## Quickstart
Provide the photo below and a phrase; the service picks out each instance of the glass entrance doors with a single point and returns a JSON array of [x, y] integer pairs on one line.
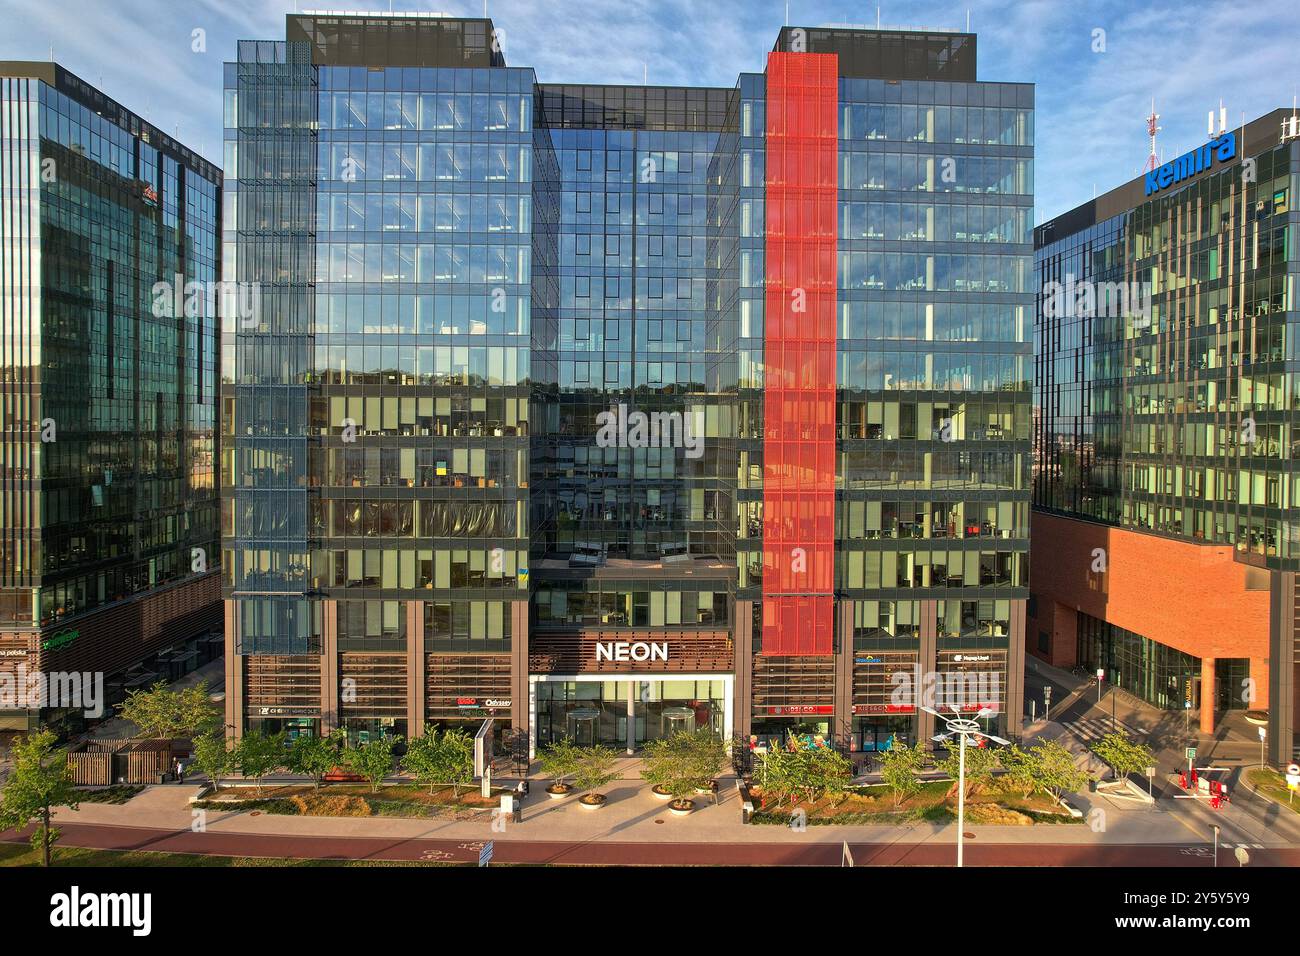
[[627, 712]]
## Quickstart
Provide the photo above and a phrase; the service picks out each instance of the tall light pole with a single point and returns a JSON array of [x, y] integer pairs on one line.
[[962, 727]]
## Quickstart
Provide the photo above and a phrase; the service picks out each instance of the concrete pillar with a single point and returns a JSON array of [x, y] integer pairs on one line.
[[842, 725], [926, 663], [329, 668], [743, 668], [1015, 689], [234, 674], [519, 688], [1208, 695], [415, 678]]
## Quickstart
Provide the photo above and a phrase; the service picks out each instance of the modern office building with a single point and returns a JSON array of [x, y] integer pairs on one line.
[[109, 540], [615, 410], [1165, 490]]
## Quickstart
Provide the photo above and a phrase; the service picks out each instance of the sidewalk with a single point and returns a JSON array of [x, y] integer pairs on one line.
[[633, 814]]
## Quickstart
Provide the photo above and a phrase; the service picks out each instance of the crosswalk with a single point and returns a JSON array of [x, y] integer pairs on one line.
[[1089, 729]]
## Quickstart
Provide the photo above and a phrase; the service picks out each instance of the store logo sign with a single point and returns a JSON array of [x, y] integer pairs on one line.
[[631, 651], [1222, 149]]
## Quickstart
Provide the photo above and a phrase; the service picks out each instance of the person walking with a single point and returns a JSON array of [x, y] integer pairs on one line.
[[518, 802], [713, 788]]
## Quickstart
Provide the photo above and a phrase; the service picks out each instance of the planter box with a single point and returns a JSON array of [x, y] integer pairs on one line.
[[681, 811]]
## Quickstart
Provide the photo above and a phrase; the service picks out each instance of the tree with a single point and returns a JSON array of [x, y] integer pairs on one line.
[[980, 763], [313, 756], [1122, 755], [258, 754], [1021, 766], [669, 764], [215, 756], [373, 759], [899, 766], [595, 770], [559, 761], [1056, 771], [708, 754], [160, 712], [448, 758], [40, 780]]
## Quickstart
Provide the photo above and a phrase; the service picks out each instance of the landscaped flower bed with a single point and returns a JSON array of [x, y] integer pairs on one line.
[[874, 806], [354, 800]]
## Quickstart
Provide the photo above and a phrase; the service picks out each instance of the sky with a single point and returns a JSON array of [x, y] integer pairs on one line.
[[1097, 64]]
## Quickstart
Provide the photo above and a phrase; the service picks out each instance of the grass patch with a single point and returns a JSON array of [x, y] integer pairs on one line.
[[116, 795], [14, 854], [1273, 785], [355, 800]]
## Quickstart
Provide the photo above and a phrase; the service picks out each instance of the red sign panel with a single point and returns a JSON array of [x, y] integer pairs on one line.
[[795, 710], [799, 354]]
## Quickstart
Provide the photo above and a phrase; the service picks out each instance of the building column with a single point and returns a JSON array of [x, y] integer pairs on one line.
[[1283, 672], [1015, 702], [743, 668], [415, 660], [519, 688], [234, 664], [1208, 695], [842, 727], [926, 663], [329, 668]]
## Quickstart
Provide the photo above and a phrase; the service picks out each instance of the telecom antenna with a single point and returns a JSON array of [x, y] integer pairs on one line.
[[1152, 128]]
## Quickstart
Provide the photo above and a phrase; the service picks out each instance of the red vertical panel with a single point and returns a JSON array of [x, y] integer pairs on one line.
[[799, 354]]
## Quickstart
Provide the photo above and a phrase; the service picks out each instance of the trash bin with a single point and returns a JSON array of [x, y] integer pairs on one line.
[[1092, 786]]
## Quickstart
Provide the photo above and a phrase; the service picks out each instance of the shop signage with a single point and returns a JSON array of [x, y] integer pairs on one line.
[[1221, 149], [972, 658], [796, 710], [883, 709], [62, 639], [489, 702], [13, 652], [283, 712], [631, 651]]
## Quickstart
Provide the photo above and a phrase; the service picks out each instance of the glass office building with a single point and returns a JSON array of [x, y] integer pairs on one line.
[[507, 440], [1165, 399], [110, 233]]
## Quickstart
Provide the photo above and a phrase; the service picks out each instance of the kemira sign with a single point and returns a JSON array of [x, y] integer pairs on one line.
[[631, 651]]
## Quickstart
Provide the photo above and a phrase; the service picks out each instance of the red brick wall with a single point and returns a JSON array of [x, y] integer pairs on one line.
[[1186, 596]]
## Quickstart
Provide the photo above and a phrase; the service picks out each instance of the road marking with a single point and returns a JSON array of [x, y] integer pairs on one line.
[[1094, 728]]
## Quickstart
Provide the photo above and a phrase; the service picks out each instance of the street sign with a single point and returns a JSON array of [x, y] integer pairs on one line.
[[485, 854], [1242, 856], [1262, 733], [1100, 673], [1191, 753], [1293, 775]]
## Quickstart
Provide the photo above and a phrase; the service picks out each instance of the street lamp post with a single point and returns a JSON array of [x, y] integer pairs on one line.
[[962, 727], [1215, 828]]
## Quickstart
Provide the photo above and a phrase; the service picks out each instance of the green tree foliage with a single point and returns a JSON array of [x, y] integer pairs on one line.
[[980, 764], [899, 766], [259, 754], [1021, 768], [447, 758], [595, 769], [41, 779], [798, 771], [312, 756], [1123, 755], [560, 761], [373, 759], [160, 712], [1056, 771], [215, 756]]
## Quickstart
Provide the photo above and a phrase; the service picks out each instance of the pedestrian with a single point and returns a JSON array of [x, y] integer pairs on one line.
[[713, 788], [524, 784], [177, 771], [518, 815]]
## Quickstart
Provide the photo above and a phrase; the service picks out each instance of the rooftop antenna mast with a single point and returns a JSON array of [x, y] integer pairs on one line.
[[1223, 120], [1153, 127]]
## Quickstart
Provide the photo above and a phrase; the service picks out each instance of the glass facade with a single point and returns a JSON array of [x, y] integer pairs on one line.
[[109, 350], [509, 397], [1167, 405]]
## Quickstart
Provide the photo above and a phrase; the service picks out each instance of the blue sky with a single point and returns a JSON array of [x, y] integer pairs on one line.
[[1091, 104]]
